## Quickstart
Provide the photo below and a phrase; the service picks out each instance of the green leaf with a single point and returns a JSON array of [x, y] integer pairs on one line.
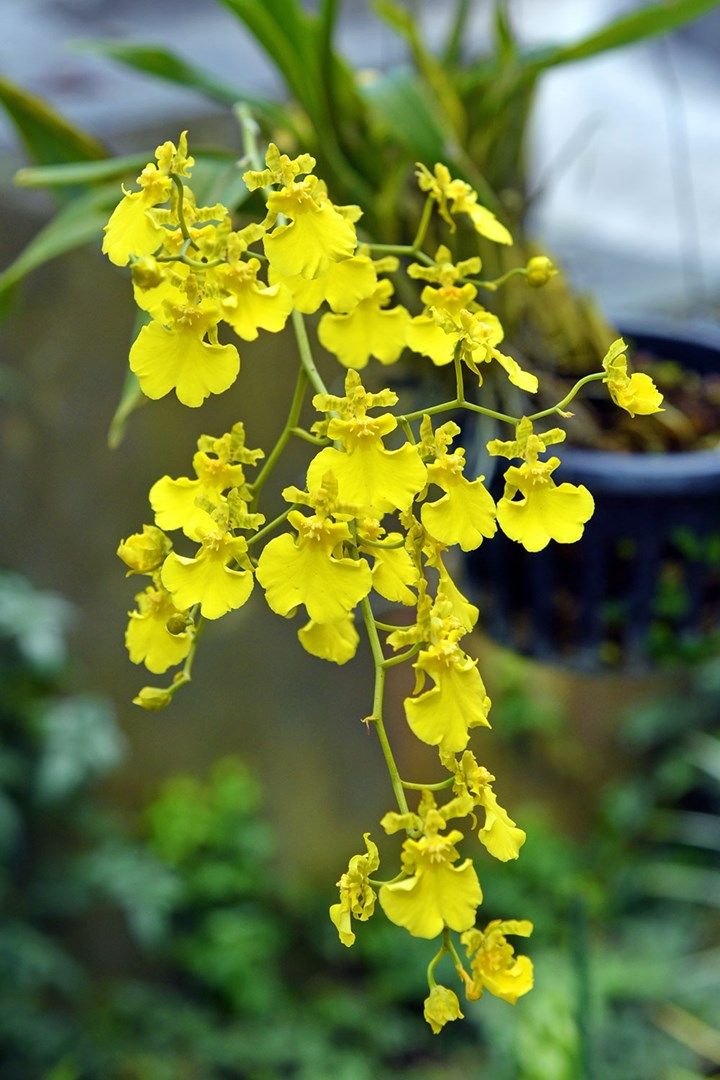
[[281, 29], [506, 42], [637, 26], [433, 72], [218, 178], [78, 223], [131, 399], [81, 172], [403, 107], [47, 136], [164, 64]]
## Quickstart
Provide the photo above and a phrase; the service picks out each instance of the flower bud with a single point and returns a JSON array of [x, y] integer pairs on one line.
[[153, 698], [441, 1006], [144, 552], [539, 270], [178, 624], [147, 273]]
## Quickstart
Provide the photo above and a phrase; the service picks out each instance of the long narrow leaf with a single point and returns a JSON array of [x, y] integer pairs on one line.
[[402, 107], [637, 26], [164, 64], [284, 41], [80, 172], [429, 67], [80, 222], [48, 137]]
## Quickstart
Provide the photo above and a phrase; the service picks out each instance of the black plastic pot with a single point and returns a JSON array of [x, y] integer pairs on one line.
[[643, 584]]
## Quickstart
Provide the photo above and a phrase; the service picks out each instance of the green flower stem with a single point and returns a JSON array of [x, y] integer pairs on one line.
[[453, 406], [181, 209], [408, 431], [402, 249], [423, 225], [472, 407], [568, 397], [449, 945], [194, 263], [393, 661], [387, 627], [494, 285], [296, 405], [306, 357], [184, 676], [306, 436], [434, 963], [377, 713], [459, 380], [441, 785], [383, 547], [270, 526]]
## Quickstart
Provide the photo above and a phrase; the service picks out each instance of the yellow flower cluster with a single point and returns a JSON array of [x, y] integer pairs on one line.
[[387, 497]]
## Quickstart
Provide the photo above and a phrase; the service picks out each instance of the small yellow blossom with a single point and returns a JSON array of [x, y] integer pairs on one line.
[[370, 329], [148, 639], [539, 271], [465, 514], [495, 967], [343, 285], [444, 715], [635, 393], [368, 475], [306, 571], [394, 573], [175, 501], [499, 833], [336, 641], [144, 552], [440, 1007], [207, 579], [248, 305], [177, 357], [545, 511], [357, 897], [457, 197], [317, 236], [132, 229], [434, 893]]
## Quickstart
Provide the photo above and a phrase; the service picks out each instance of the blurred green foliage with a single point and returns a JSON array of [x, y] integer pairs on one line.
[[171, 950]]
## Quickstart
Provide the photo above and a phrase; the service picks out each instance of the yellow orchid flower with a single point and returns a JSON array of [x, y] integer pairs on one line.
[[457, 197], [343, 285], [357, 898], [435, 893], [465, 514], [367, 474], [495, 967], [336, 641], [636, 393], [440, 1007], [207, 579], [499, 834], [132, 228], [177, 357], [370, 329], [305, 571], [247, 305], [148, 639]]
